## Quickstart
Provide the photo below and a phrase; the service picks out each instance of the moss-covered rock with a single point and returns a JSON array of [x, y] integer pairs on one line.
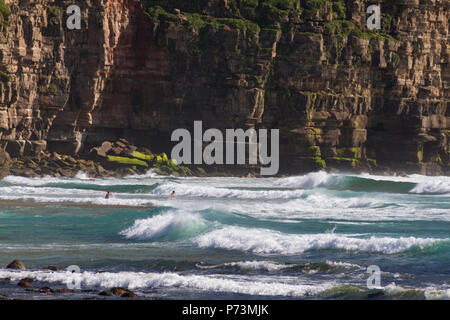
[[127, 161]]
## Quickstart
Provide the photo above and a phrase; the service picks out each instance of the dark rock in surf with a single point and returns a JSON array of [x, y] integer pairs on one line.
[[46, 290], [51, 268], [16, 264], [375, 294], [107, 293], [64, 291], [117, 291], [25, 283], [124, 293], [129, 294]]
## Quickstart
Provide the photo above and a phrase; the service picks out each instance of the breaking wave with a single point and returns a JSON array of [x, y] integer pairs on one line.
[[261, 241], [251, 285], [214, 192], [172, 225], [139, 280]]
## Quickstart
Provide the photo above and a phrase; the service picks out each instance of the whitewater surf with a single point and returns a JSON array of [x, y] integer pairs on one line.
[[302, 237]]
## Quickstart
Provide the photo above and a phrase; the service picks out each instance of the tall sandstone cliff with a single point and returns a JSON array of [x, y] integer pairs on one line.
[[342, 96]]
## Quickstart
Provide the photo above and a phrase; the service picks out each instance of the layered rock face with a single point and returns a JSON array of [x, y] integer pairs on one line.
[[342, 96]]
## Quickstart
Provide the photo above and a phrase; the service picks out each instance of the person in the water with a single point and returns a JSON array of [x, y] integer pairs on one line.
[[108, 195], [173, 194]]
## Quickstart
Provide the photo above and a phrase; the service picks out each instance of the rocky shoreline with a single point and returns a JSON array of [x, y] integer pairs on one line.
[[120, 158], [32, 286], [117, 159]]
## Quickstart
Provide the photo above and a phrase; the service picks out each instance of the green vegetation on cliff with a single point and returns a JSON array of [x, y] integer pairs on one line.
[[197, 21], [256, 15], [261, 12], [4, 14]]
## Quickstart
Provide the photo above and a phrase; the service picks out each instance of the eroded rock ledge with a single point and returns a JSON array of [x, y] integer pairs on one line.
[[343, 97]]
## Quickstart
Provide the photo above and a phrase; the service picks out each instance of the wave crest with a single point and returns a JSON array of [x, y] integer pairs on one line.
[[261, 241], [171, 225]]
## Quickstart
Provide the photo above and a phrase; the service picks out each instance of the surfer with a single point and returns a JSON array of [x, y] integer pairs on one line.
[[173, 194], [108, 195]]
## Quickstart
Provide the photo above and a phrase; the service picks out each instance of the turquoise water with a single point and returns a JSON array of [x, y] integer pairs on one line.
[[303, 237]]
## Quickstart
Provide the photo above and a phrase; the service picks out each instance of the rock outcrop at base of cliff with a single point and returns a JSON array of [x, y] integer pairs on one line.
[[342, 96], [110, 159]]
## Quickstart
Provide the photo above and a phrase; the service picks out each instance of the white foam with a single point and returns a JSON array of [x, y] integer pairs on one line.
[[346, 265], [310, 180], [81, 175], [16, 180], [149, 174], [262, 241], [433, 293], [430, 293], [251, 265], [206, 191], [270, 286], [322, 205], [272, 266], [425, 184], [17, 190], [252, 285], [149, 178], [174, 222], [437, 186], [95, 200]]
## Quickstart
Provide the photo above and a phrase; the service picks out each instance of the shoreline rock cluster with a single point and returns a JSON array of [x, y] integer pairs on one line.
[[120, 158], [29, 286], [110, 159]]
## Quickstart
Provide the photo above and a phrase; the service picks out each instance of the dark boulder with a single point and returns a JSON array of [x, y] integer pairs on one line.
[[51, 268], [16, 264], [25, 283], [124, 293], [107, 293]]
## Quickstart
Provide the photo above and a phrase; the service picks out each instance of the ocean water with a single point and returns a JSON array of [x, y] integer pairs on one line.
[[300, 237]]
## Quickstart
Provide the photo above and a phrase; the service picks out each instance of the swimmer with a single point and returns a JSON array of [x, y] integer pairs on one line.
[[108, 195], [173, 194]]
